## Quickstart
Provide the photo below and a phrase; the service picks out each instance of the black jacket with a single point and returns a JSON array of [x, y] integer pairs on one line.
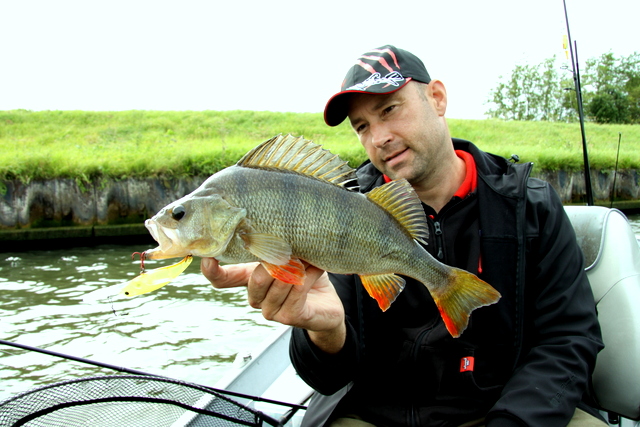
[[526, 360]]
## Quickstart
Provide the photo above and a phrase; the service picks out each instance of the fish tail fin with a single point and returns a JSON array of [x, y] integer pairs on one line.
[[464, 293]]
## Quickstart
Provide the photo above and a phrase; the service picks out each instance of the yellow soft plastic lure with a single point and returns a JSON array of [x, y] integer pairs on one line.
[[151, 280]]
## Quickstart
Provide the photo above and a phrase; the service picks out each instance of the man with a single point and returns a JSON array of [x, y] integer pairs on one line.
[[525, 361]]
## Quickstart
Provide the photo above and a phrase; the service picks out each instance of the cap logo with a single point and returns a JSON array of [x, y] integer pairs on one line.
[[394, 78]]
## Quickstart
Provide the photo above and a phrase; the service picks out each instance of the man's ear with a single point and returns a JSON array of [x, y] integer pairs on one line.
[[439, 95]]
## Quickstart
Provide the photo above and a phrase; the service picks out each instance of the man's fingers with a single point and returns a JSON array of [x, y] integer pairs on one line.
[[210, 268], [313, 274], [279, 301], [259, 285], [268, 294], [228, 276]]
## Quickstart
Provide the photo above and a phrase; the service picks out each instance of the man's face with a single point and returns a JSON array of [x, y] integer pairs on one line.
[[404, 133]]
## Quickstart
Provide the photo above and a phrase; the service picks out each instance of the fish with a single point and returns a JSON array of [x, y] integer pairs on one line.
[[289, 200]]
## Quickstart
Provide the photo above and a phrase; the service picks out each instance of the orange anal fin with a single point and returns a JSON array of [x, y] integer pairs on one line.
[[464, 293], [384, 288], [293, 272]]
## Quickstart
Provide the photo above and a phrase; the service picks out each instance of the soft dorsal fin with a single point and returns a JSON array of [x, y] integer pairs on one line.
[[401, 201], [296, 154]]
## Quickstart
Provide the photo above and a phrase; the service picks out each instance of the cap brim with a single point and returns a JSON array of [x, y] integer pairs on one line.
[[337, 107]]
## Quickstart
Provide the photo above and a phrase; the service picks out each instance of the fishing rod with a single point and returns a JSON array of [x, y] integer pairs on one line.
[[136, 372], [615, 171], [76, 359], [576, 79]]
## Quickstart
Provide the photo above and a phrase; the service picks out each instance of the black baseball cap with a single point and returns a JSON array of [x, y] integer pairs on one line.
[[377, 71]]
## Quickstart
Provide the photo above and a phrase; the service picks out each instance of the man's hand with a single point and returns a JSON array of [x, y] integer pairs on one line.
[[229, 276], [314, 306]]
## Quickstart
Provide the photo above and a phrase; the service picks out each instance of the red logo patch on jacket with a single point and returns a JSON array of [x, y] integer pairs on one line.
[[466, 364]]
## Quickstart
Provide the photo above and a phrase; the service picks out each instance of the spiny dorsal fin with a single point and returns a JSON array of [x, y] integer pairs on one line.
[[401, 201], [296, 154]]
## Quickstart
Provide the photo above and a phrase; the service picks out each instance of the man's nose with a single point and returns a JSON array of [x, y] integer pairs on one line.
[[380, 135]]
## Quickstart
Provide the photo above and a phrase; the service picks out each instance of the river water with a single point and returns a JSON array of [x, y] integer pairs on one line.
[[186, 330]]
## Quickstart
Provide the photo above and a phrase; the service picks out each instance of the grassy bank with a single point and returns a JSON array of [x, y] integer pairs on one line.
[[88, 145]]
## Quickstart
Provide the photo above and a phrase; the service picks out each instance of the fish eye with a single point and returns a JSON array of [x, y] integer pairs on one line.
[[178, 212]]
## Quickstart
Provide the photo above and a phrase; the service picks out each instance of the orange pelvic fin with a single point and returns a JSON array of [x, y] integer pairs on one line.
[[464, 293], [384, 288], [293, 272]]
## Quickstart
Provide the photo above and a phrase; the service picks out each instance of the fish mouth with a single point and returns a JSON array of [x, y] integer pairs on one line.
[[166, 247]]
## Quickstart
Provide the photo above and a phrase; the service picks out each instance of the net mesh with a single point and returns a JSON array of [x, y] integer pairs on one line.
[[126, 400]]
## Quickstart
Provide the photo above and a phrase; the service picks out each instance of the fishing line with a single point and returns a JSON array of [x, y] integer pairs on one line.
[[114, 309]]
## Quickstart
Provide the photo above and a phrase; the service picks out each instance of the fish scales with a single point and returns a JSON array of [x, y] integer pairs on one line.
[[286, 201], [343, 223]]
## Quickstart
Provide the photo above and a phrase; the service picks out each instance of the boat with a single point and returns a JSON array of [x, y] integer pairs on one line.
[[262, 388], [267, 372]]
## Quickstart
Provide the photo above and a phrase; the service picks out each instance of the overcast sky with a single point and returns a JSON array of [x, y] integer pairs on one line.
[[279, 55]]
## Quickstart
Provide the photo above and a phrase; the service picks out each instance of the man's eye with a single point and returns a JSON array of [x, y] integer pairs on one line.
[[361, 128], [389, 109]]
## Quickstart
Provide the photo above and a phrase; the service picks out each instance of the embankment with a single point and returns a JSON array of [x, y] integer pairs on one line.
[[64, 211]]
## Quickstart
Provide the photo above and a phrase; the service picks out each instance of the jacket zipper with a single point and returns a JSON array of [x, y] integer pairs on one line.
[[414, 419], [439, 241]]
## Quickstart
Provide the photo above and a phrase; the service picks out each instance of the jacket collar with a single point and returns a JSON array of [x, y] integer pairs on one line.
[[493, 170]]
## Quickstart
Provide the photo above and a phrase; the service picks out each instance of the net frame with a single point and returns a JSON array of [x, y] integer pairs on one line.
[[137, 399]]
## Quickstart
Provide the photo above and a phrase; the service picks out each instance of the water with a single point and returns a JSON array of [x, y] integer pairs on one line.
[[635, 224], [186, 330]]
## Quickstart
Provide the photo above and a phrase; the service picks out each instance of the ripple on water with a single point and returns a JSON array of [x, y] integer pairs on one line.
[[187, 330], [93, 267]]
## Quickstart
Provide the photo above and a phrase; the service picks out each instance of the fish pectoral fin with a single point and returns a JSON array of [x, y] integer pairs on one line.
[[292, 272], [464, 293], [152, 280], [384, 288], [267, 247]]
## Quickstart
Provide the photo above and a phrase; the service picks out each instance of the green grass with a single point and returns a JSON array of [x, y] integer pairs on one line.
[[554, 146], [85, 145]]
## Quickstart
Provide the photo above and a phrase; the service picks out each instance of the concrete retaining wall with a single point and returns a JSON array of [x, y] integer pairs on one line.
[[571, 186], [65, 203]]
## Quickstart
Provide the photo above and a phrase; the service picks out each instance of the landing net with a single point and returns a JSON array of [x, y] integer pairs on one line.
[[127, 400]]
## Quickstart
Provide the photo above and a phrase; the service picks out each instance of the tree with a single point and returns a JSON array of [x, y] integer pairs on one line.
[[610, 92], [532, 93], [608, 106], [613, 89]]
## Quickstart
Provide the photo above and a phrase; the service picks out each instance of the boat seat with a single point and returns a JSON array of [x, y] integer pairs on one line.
[[612, 263]]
